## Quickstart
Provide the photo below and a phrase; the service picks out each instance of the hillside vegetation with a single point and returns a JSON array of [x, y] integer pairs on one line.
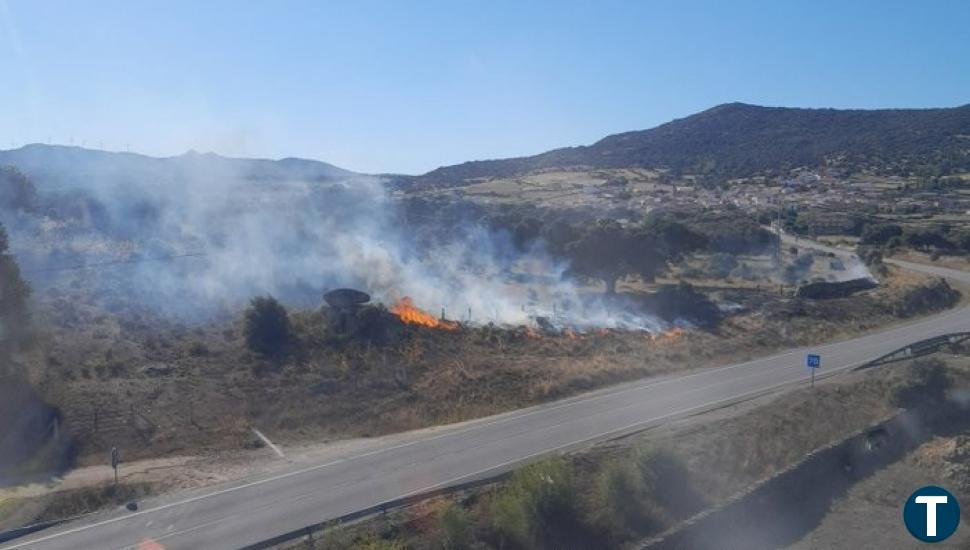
[[738, 140]]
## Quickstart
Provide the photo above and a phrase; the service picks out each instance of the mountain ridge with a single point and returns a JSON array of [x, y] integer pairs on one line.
[[64, 166], [727, 141], [734, 140]]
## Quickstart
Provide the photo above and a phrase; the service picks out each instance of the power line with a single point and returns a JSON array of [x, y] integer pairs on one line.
[[116, 262]]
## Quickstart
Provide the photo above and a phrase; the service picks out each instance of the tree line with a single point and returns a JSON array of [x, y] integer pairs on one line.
[[929, 238]]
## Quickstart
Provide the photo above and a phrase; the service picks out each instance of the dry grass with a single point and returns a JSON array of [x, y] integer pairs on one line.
[[579, 188], [952, 262], [161, 388], [76, 502]]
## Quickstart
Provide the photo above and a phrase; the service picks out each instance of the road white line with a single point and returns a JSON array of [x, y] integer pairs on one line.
[[606, 435], [613, 433]]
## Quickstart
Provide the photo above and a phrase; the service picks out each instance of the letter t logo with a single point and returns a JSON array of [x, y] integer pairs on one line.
[[931, 502]]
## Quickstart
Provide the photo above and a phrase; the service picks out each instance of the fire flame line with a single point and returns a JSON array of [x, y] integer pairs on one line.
[[407, 312]]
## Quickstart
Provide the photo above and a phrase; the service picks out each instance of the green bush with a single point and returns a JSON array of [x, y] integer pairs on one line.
[[17, 192], [374, 542], [927, 386], [621, 502], [456, 527], [511, 520], [931, 296], [534, 501], [881, 233], [14, 310], [267, 326]]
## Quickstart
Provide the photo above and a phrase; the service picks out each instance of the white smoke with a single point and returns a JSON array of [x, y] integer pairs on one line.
[[296, 239]]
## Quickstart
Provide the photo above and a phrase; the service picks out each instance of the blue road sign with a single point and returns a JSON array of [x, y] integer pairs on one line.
[[813, 361]]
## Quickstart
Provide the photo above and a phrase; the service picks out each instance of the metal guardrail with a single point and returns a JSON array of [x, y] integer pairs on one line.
[[308, 531], [918, 349], [6, 536]]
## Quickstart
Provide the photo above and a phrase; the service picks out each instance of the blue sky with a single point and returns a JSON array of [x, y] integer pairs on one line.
[[402, 86]]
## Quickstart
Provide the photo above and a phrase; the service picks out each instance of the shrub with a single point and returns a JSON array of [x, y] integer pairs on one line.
[[17, 192], [456, 527], [799, 268], [640, 493], [668, 478], [927, 238], [510, 519], [878, 234], [721, 264], [14, 312], [932, 296], [374, 542], [621, 504], [267, 326], [927, 386], [684, 302], [536, 501]]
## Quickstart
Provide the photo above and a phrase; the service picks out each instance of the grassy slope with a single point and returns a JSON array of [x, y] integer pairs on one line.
[[199, 389]]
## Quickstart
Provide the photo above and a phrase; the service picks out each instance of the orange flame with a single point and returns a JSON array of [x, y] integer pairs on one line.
[[410, 314], [668, 336], [532, 333], [570, 333]]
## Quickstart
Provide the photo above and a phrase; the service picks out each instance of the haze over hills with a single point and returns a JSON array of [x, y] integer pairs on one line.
[[68, 167], [737, 140], [733, 140]]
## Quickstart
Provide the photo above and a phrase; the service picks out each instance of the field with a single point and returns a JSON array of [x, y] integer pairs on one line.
[[568, 189], [156, 389]]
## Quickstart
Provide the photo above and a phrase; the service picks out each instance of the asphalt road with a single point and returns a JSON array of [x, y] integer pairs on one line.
[[242, 513]]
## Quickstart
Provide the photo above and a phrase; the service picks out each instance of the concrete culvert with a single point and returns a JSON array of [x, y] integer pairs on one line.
[[876, 439]]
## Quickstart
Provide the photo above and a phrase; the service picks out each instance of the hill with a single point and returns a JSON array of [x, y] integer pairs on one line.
[[738, 140], [63, 167]]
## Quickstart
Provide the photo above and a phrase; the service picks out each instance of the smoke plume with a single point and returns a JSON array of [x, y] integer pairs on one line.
[[202, 239]]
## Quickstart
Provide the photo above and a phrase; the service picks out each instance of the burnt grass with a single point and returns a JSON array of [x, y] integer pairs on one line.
[[153, 387]]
